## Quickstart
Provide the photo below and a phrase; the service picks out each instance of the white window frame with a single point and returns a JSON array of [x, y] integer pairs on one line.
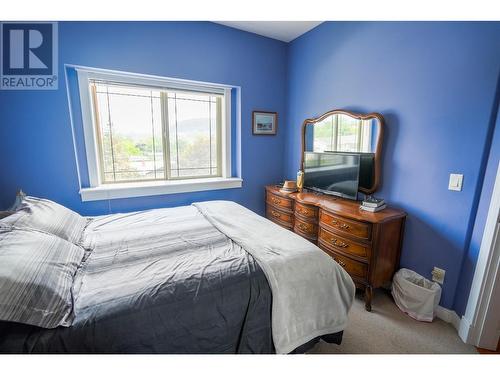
[[365, 138], [100, 191]]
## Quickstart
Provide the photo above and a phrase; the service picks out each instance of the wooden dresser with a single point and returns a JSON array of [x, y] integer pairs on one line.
[[367, 245]]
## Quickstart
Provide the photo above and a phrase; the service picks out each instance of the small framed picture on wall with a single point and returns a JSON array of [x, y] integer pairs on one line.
[[264, 123]]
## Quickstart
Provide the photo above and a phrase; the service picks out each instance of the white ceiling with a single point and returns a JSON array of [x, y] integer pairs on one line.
[[285, 31]]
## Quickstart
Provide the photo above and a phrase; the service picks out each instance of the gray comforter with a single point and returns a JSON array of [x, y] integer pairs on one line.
[[159, 281]]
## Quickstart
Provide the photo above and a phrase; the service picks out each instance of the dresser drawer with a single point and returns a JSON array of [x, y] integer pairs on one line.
[[309, 212], [354, 228], [275, 215], [357, 270], [342, 244], [278, 201], [307, 229]]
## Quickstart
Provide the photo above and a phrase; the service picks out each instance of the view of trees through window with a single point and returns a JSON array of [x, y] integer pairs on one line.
[[151, 134], [342, 133]]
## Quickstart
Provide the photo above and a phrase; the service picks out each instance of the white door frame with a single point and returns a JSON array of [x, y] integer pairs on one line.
[[475, 327]]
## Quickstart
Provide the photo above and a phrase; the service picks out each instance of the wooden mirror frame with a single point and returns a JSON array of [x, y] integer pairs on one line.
[[358, 116]]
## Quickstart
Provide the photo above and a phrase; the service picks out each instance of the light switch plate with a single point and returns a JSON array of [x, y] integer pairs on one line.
[[455, 182]]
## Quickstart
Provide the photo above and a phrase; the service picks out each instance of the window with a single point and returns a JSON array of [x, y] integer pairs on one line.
[[144, 132], [152, 134]]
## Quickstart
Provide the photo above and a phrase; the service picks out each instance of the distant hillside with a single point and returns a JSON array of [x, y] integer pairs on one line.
[[198, 125], [193, 125]]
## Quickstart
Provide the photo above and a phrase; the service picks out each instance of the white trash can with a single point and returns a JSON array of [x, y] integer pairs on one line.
[[415, 295]]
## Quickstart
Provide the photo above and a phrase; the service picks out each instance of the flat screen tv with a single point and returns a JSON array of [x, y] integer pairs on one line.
[[332, 173], [366, 168]]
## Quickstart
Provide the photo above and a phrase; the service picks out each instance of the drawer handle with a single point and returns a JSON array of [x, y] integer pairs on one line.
[[276, 200], [343, 226], [302, 227], [339, 243], [342, 264], [275, 214], [302, 211]]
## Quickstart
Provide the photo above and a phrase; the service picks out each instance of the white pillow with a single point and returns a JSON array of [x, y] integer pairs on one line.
[[48, 216], [36, 277]]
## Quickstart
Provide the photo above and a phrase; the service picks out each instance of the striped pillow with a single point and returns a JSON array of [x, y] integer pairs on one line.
[[47, 216], [36, 277], [5, 214]]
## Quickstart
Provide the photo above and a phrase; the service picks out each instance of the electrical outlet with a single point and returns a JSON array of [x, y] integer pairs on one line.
[[438, 275]]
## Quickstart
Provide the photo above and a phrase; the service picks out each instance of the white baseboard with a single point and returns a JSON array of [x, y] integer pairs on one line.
[[449, 316], [462, 325], [465, 330]]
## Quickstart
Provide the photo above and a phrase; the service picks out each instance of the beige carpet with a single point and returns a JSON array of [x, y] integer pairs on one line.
[[386, 330]]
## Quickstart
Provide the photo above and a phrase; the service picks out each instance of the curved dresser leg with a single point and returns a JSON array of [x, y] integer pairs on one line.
[[368, 298]]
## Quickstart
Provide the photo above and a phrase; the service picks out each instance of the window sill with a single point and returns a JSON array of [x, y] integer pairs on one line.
[[129, 190]]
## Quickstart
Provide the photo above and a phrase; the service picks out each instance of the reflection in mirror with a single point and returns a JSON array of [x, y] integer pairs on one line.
[[343, 133]]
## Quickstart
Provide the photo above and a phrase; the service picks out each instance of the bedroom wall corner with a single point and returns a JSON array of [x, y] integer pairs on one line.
[[485, 191]]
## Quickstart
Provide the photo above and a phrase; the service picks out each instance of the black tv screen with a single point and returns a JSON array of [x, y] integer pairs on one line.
[[332, 173], [366, 170]]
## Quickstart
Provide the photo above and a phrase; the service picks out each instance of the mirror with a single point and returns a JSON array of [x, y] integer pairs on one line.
[[342, 131]]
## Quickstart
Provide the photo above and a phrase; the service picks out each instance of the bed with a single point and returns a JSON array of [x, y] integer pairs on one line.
[[189, 280]]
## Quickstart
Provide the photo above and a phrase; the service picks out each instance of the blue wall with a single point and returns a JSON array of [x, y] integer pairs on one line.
[[435, 84], [37, 149]]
